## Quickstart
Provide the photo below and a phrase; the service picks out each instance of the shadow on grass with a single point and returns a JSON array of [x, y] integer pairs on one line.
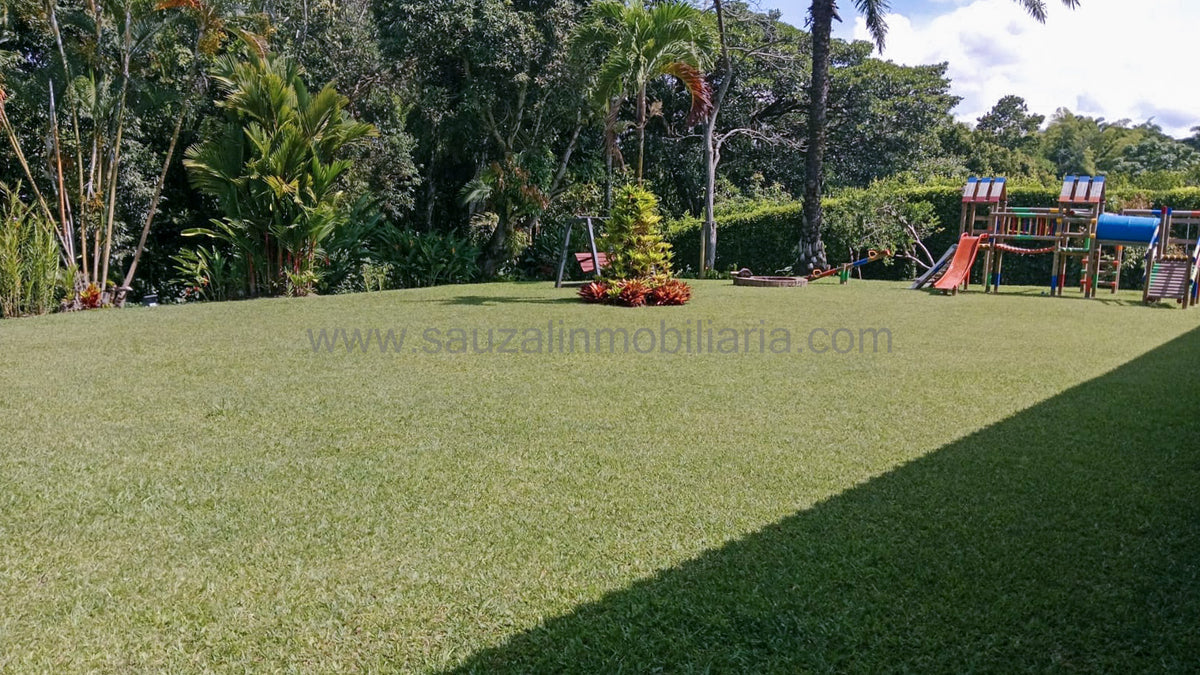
[[482, 300], [1066, 537]]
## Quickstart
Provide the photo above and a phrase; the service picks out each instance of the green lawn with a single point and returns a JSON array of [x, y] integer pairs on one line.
[[1013, 488]]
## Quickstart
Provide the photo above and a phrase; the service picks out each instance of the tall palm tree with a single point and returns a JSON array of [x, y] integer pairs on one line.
[[641, 44], [275, 168], [822, 13]]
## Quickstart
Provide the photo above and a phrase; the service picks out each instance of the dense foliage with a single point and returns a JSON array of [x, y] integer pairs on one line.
[[495, 123], [274, 168], [29, 263], [633, 238]]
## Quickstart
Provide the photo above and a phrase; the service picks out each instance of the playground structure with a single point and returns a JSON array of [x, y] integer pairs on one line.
[[1171, 256], [843, 271], [1077, 230]]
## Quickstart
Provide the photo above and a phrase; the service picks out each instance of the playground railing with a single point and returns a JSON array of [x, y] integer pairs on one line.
[[1151, 255], [1193, 276]]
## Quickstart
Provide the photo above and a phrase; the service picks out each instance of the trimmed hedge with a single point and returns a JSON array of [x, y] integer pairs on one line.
[[764, 239]]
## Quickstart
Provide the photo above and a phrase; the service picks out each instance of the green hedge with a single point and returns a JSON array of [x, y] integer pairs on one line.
[[764, 239]]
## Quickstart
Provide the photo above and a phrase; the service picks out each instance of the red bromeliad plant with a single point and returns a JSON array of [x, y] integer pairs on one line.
[[594, 292], [633, 292], [657, 291], [670, 292]]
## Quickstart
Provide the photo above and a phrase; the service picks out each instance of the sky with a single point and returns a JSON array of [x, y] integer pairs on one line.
[[1114, 59]]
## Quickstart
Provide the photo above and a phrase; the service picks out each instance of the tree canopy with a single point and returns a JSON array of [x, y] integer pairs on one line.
[[495, 123]]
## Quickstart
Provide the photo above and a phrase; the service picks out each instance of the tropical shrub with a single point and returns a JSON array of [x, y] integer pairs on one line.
[[376, 277], [29, 257], [350, 248], [509, 194], [633, 237], [425, 259], [275, 167], [207, 274], [639, 258], [90, 297]]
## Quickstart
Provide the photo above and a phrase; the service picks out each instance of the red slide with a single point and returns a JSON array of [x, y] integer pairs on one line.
[[960, 267]]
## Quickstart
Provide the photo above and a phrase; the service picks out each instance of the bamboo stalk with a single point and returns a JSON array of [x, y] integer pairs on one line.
[[114, 172], [66, 238], [96, 241], [16, 146], [162, 176], [67, 80]]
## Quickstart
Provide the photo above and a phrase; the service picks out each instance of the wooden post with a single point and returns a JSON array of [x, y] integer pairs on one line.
[[989, 254], [592, 241], [1120, 262], [562, 262]]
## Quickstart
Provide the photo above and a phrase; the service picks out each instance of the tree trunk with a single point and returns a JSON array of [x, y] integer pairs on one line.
[[153, 210], [708, 236], [641, 125], [430, 189], [493, 252], [66, 235], [608, 178], [115, 171], [812, 250], [712, 154]]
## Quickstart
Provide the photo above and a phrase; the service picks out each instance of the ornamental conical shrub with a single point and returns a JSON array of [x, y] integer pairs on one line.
[[633, 239]]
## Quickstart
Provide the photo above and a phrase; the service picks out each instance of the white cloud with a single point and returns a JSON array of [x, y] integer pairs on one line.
[[1109, 58]]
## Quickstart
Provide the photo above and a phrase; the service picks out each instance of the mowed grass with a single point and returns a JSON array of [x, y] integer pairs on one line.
[[1012, 487]]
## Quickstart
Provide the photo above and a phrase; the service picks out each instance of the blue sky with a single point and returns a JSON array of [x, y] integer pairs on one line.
[[1102, 59]]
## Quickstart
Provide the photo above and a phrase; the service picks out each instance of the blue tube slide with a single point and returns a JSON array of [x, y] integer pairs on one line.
[[1126, 229]]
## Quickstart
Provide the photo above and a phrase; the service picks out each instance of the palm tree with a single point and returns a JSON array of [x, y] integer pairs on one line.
[[209, 24], [822, 14], [639, 45], [275, 168]]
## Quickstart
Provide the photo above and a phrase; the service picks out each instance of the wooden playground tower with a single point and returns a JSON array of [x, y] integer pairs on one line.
[[1068, 231], [1077, 229]]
